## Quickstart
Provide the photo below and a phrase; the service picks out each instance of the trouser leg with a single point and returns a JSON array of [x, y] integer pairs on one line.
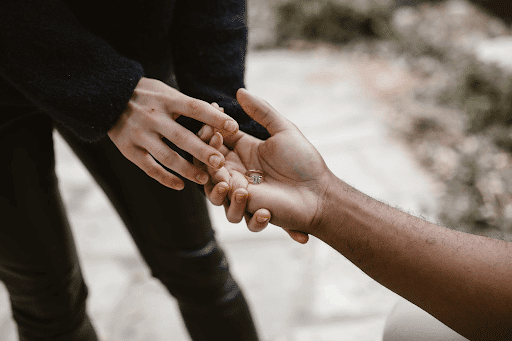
[[38, 260], [173, 234]]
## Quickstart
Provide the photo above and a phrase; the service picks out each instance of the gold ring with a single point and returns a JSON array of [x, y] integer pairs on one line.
[[255, 176]]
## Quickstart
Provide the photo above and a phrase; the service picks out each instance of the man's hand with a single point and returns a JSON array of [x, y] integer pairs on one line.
[[150, 116], [296, 175]]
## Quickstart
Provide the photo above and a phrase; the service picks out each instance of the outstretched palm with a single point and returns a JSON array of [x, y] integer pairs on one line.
[[295, 172]]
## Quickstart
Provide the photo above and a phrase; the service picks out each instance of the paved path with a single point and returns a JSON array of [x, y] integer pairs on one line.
[[298, 293]]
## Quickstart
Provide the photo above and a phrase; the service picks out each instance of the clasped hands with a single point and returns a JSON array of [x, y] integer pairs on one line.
[[296, 177], [293, 191]]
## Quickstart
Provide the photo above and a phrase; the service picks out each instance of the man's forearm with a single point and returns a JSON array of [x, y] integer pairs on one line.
[[461, 279]]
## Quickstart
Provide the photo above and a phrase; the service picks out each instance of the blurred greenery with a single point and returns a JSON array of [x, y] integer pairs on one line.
[[332, 21], [484, 92]]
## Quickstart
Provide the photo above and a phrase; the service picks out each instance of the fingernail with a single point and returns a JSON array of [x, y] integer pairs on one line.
[[261, 219], [202, 178], [222, 190], [178, 186], [214, 161], [230, 126], [240, 198], [201, 131]]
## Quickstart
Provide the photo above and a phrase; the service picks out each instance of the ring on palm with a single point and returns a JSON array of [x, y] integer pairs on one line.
[[255, 176]]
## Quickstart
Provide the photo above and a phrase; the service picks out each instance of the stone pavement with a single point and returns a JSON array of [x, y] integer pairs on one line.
[[297, 293]]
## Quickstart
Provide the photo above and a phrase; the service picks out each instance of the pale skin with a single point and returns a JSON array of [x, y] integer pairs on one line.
[[461, 279], [151, 115]]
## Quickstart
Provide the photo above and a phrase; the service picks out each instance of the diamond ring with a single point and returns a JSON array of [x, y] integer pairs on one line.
[[255, 176]]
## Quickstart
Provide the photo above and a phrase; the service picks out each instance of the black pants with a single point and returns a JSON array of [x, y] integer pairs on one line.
[[38, 260]]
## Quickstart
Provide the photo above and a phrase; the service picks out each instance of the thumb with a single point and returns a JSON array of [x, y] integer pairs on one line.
[[262, 112]]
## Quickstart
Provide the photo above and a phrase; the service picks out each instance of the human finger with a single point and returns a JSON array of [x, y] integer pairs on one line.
[[262, 112], [217, 194], [172, 160], [259, 220], [145, 162], [236, 181], [216, 106], [208, 188], [217, 174], [189, 142], [206, 133], [216, 141], [222, 174], [299, 237], [204, 112], [236, 209]]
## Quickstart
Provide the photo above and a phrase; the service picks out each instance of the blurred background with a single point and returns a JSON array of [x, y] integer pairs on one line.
[[408, 101], [450, 86]]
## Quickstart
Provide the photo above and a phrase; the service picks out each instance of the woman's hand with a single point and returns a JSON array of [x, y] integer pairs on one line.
[[296, 175], [227, 185], [150, 116]]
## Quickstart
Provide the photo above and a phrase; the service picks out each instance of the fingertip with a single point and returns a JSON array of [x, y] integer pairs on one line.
[[219, 136], [241, 96], [202, 178], [262, 223], [259, 220], [236, 210], [241, 91], [299, 237], [222, 188], [240, 195], [178, 186], [205, 133], [230, 126], [262, 215], [218, 193], [303, 239], [201, 131], [216, 141], [216, 160]]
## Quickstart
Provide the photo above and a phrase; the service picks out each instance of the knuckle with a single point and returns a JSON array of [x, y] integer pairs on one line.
[[178, 138], [150, 116], [130, 151], [195, 106], [124, 146], [153, 172], [169, 159], [131, 107], [262, 112], [159, 154], [137, 135]]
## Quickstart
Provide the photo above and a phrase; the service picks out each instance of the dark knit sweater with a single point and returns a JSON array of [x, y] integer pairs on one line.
[[80, 60]]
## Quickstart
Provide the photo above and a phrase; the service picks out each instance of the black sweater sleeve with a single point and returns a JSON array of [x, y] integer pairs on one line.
[[63, 69], [209, 48]]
